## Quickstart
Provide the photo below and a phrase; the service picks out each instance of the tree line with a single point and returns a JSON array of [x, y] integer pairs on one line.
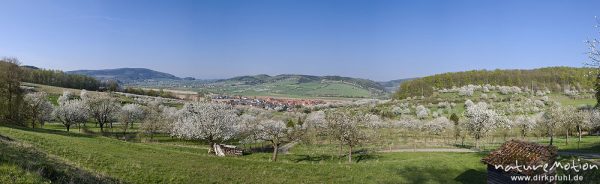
[[16, 107], [60, 79], [149, 92], [552, 78], [11, 93]]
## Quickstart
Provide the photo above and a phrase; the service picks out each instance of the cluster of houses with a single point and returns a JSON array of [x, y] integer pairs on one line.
[[279, 104]]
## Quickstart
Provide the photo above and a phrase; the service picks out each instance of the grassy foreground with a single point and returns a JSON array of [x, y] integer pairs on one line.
[[112, 160]]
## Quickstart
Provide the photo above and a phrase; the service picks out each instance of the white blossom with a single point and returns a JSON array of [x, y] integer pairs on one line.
[[38, 107], [70, 112], [205, 121], [130, 114], [102, 107], [481, 120], [438, 125], [469, 103], [422, 112], [66, 96]]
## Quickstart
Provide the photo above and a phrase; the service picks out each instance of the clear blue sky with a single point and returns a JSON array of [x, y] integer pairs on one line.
[[379, 40]]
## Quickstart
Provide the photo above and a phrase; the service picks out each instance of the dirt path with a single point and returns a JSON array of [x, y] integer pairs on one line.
[[584, 155], [286, 147], [454, 150]]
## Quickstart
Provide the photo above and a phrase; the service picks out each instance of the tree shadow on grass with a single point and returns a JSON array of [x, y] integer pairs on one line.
[[313, 158], [463, 146], [357, 156], [471, 176], [589, 149], [55, 132], [260, 149], [434, 174], [35, 161]]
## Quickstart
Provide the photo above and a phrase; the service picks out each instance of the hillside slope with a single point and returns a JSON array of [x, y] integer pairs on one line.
[[129, 162], [298, 86], [552, 78]]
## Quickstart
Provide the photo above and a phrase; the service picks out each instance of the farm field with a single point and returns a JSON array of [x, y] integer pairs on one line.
[[293, 89]]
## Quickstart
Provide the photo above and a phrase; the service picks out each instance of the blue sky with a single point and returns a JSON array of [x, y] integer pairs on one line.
[[379, 40]]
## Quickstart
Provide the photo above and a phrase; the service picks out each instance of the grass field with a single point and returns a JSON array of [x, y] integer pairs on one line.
[[107, 159], [158, 162]]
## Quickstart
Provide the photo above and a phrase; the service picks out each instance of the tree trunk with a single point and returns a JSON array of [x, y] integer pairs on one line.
[[212, 145], [101, 127], [341, 149], [579, 135], [68, 126], [551, 139], [350, 155], [567, 138], [275, 150]]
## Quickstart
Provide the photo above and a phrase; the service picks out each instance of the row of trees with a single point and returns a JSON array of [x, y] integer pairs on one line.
[[480, 120], [105, 109], [149, 92], [60, 79], [216, 123]]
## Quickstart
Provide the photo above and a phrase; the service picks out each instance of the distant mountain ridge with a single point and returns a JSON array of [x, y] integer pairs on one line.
[[263, 78], [126, 74], [250, 85]]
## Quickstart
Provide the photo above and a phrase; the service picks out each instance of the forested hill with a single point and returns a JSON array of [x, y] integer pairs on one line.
[[126, 74], [553, 78], [58, 78]]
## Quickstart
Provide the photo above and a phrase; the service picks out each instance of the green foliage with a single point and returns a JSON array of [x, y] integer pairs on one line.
[[454, 118], [290, 123], [597, 88], [11, 94], [553, 78]]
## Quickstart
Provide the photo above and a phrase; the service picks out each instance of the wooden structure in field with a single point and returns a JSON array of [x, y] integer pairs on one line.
[[524, 154], [227, 150]]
